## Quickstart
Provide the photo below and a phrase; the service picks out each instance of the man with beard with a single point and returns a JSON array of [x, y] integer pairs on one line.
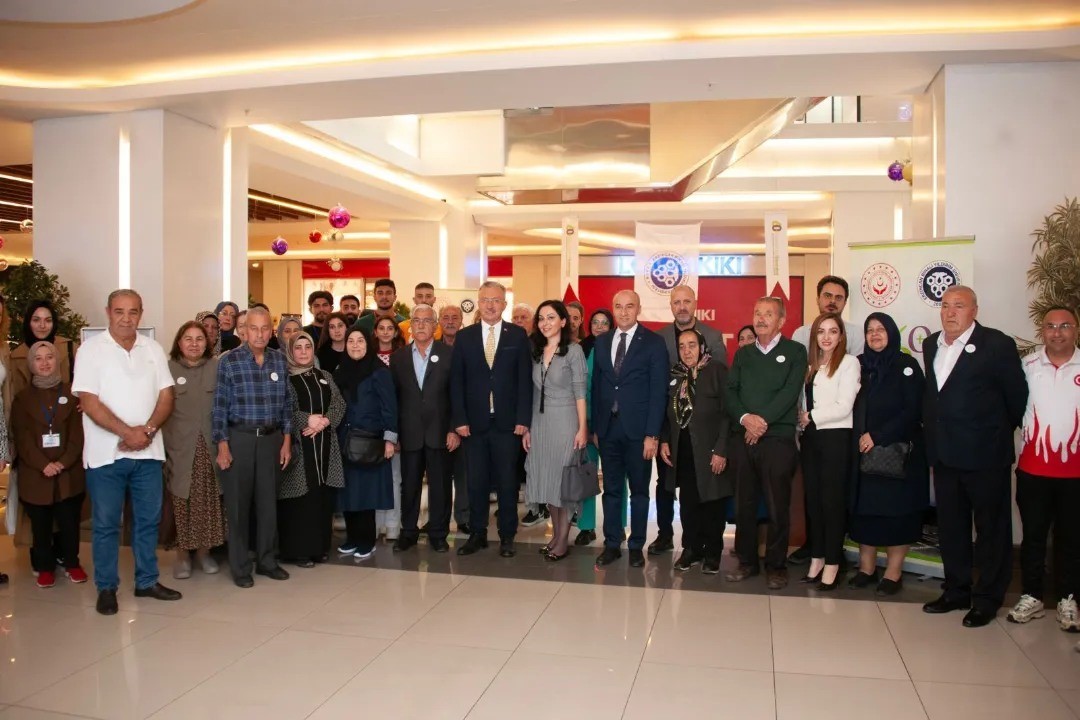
[[450, 321], [320, 304], [385, 297], [349, 306]]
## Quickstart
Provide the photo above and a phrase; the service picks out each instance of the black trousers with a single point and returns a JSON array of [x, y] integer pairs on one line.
[[64, 515], [461, 487], [665, 502], [766, 468], [1046, 502], [492, 462], [702, 522], [826, 462], [437, 463], [251, 484], [982, 496], [360, 529]]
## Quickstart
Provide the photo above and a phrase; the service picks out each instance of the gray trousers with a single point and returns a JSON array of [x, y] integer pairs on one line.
[[461, 488], [252, 481]]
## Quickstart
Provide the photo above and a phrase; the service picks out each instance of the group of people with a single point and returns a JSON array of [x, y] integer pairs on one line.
[[259, 438]]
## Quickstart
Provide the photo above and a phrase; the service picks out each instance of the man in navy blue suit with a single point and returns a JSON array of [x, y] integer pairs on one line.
[[490, 408], [629, 393]]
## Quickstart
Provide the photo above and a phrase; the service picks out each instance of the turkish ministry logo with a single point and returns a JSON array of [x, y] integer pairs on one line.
[[467, 306], [664, 272], [935, 279], [1076, 380], [880, 285]]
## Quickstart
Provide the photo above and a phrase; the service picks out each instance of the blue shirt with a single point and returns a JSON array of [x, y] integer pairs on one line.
[[420, 363], [250, 394]]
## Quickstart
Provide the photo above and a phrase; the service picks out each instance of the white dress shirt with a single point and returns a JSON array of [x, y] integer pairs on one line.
[[615, 341], [765, 350], [488, 328], [947, 355]]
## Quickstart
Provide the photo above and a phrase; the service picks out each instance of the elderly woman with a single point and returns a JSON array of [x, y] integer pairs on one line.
[[193, 487], [228, 315], [310, 485], [52, 483], [694, 443], [887, 511], [40, 322], [212, 326]]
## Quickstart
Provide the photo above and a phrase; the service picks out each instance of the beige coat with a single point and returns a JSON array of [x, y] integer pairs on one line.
[[190, 416]]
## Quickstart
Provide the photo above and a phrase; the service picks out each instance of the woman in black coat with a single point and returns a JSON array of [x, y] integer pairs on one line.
[[694, 443], [885, 511]]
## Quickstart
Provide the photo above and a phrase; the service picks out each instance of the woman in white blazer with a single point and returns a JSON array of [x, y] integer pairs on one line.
[[832, 383]]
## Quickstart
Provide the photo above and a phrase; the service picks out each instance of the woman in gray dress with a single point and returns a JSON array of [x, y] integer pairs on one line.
[[558, 430]]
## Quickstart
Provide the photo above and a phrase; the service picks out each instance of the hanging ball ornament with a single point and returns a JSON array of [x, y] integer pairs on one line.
[[334, 264], [896, 171], [27, 224], [314, 236], [1, 242], [339, 217], [3, 264], [907, 172], [279, 246], [337, 236]]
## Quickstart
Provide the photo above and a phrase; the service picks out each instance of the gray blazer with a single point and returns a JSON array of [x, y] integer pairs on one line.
[[713, 339]]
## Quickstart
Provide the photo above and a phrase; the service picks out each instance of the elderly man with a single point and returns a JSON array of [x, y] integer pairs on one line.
[[450, 321], [125, 388], [683, 302], [251, 425], [522, 316], [975, 399], [421, 372], [1048, 472], [423, 294], [762, 399], [629, 395]]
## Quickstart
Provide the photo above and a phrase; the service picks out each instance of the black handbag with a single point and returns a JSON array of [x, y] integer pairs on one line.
[[364, 447], [580, 479], [886, 460]]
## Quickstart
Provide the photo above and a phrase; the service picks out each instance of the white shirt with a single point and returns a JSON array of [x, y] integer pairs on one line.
[[766, 349], [834, 397], [856, 340], [947, 355], [128, 383], [615, 342], [1051, 441], [488, 328]]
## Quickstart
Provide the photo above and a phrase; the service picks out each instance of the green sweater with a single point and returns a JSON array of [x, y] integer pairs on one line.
[[767, 385]]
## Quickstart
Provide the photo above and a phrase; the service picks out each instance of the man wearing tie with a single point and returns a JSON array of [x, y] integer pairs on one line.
[[975, 398], [491, 407], [629, 393]]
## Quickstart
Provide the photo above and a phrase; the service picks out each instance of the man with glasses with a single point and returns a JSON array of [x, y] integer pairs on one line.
[[1048, 472]]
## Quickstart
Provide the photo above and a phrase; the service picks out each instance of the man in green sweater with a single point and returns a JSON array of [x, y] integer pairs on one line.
[[762, 398]]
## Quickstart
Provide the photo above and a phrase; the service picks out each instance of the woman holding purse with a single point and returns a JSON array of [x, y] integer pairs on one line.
[[558, 431], [694, 443], [887, 511]]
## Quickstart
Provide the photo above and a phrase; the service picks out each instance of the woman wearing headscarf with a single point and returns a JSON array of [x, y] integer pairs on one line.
[[194, 492], [40, 322], [227, 313], [212, 326], [288, 326], [52, 484], [310, 484], [370, 406], [887, 512], [694, 443]]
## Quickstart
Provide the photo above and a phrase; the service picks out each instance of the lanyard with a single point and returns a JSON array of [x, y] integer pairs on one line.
[[50, 411]]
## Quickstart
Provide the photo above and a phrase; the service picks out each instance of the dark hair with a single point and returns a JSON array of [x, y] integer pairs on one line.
[[28, 335], [835, 281], [703, 345], [386, 282], [1062, 308], [424, 286], [745, 327], [176, 353], [581, 309], [602, 311], [565, 336], [323, 294], [348, 297], [397, 342], [324, 336], [814, 356]]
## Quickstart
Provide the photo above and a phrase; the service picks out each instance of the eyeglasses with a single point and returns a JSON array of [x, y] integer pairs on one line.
[[1063, 327], [490, 301]]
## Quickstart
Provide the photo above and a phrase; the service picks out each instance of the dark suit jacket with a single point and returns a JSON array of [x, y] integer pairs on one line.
[[423, 415], [969, 423], [510, 379], [709, 430], [641, 387]]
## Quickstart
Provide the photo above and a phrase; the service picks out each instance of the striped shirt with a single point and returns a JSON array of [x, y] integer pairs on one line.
[[250, 394]]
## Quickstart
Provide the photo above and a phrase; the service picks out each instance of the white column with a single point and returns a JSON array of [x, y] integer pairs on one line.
[[414, 255], [863, 217], [466, 250], [138, 200]]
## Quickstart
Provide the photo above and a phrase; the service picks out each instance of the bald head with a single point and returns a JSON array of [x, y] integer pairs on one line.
[[626, 306], [959, 308], [683, 306]]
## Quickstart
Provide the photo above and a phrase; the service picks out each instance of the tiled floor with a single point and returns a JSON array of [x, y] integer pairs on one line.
[[438, 637]]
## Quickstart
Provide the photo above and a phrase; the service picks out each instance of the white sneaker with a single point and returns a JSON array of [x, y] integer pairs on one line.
[[208, 564], [181, 569], [1067, 615], [1026, 610]]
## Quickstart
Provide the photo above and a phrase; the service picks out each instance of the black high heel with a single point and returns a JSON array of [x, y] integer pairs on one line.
[[828, 587], [808, 580], [552, 557]]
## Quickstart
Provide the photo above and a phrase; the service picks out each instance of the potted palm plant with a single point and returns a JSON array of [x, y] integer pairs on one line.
[[1055, 271]]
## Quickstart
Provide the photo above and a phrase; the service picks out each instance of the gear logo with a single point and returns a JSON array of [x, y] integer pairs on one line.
[[880, 285], [664, 272], [935, 279], [467, 306]]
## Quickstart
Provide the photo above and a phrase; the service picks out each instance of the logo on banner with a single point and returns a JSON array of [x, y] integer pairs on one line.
[[665, 271], [880, 285], [935, 279], [467, 306]]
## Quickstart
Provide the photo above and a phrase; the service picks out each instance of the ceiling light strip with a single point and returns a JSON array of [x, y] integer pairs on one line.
[[124, 209], [226, 214], [16, 178], [289, 205]]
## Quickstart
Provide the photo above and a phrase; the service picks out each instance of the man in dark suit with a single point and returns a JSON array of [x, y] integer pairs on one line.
[[421, 372], [491, 407], [975, 398], [629, 394]]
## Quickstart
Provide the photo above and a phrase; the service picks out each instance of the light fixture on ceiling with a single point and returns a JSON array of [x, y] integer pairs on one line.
[[586, 236], [287, 204], [254, 264], [16, 178], [756, 198], [374, 235], [16, 204], [316, 254]]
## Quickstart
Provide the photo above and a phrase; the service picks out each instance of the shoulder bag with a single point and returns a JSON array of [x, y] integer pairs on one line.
[[580, 479], [364, 447]]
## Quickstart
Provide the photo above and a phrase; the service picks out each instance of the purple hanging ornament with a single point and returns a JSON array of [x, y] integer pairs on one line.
[[338, 216], [896, 171], [279, 246]]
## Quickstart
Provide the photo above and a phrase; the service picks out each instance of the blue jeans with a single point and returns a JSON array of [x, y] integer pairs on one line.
[[108, 486]]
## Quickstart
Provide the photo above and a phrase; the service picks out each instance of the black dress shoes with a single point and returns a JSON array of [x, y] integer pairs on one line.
[[106, 602], [800, 556], [978, 618], [474, 544], [742, 573], [863, 580], [404, 543], [440, 546], [608, 556], [275, 573], [463, 529], [944, 605], [637, 558], [889, 587], [585, 537], [506, 549], [661, 545], [711, 566], [244, 581], [158, 592], [687, 560]]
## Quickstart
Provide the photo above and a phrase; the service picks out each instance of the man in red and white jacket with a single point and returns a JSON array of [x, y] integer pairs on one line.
[[1048, 472]]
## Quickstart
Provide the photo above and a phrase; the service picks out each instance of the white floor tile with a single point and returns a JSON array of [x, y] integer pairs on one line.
[[818, 697], [1052, 651], [23, 713], [1072, 699], [712, 630], [949, 701], [670, 691]]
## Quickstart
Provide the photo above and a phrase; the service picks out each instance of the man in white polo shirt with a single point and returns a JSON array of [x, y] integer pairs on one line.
[[125, 389]]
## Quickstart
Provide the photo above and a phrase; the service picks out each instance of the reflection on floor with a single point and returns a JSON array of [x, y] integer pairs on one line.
[[421, 635]]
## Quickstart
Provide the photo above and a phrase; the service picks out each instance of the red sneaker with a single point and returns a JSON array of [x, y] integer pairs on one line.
[[46, 579], [76, 574]]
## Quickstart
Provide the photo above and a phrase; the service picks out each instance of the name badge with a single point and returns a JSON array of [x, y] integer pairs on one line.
[[969, 348], [323, 381], [273, 376], [62, 400], [181, 380], [50, 440], [435, 358], [780, 358]]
